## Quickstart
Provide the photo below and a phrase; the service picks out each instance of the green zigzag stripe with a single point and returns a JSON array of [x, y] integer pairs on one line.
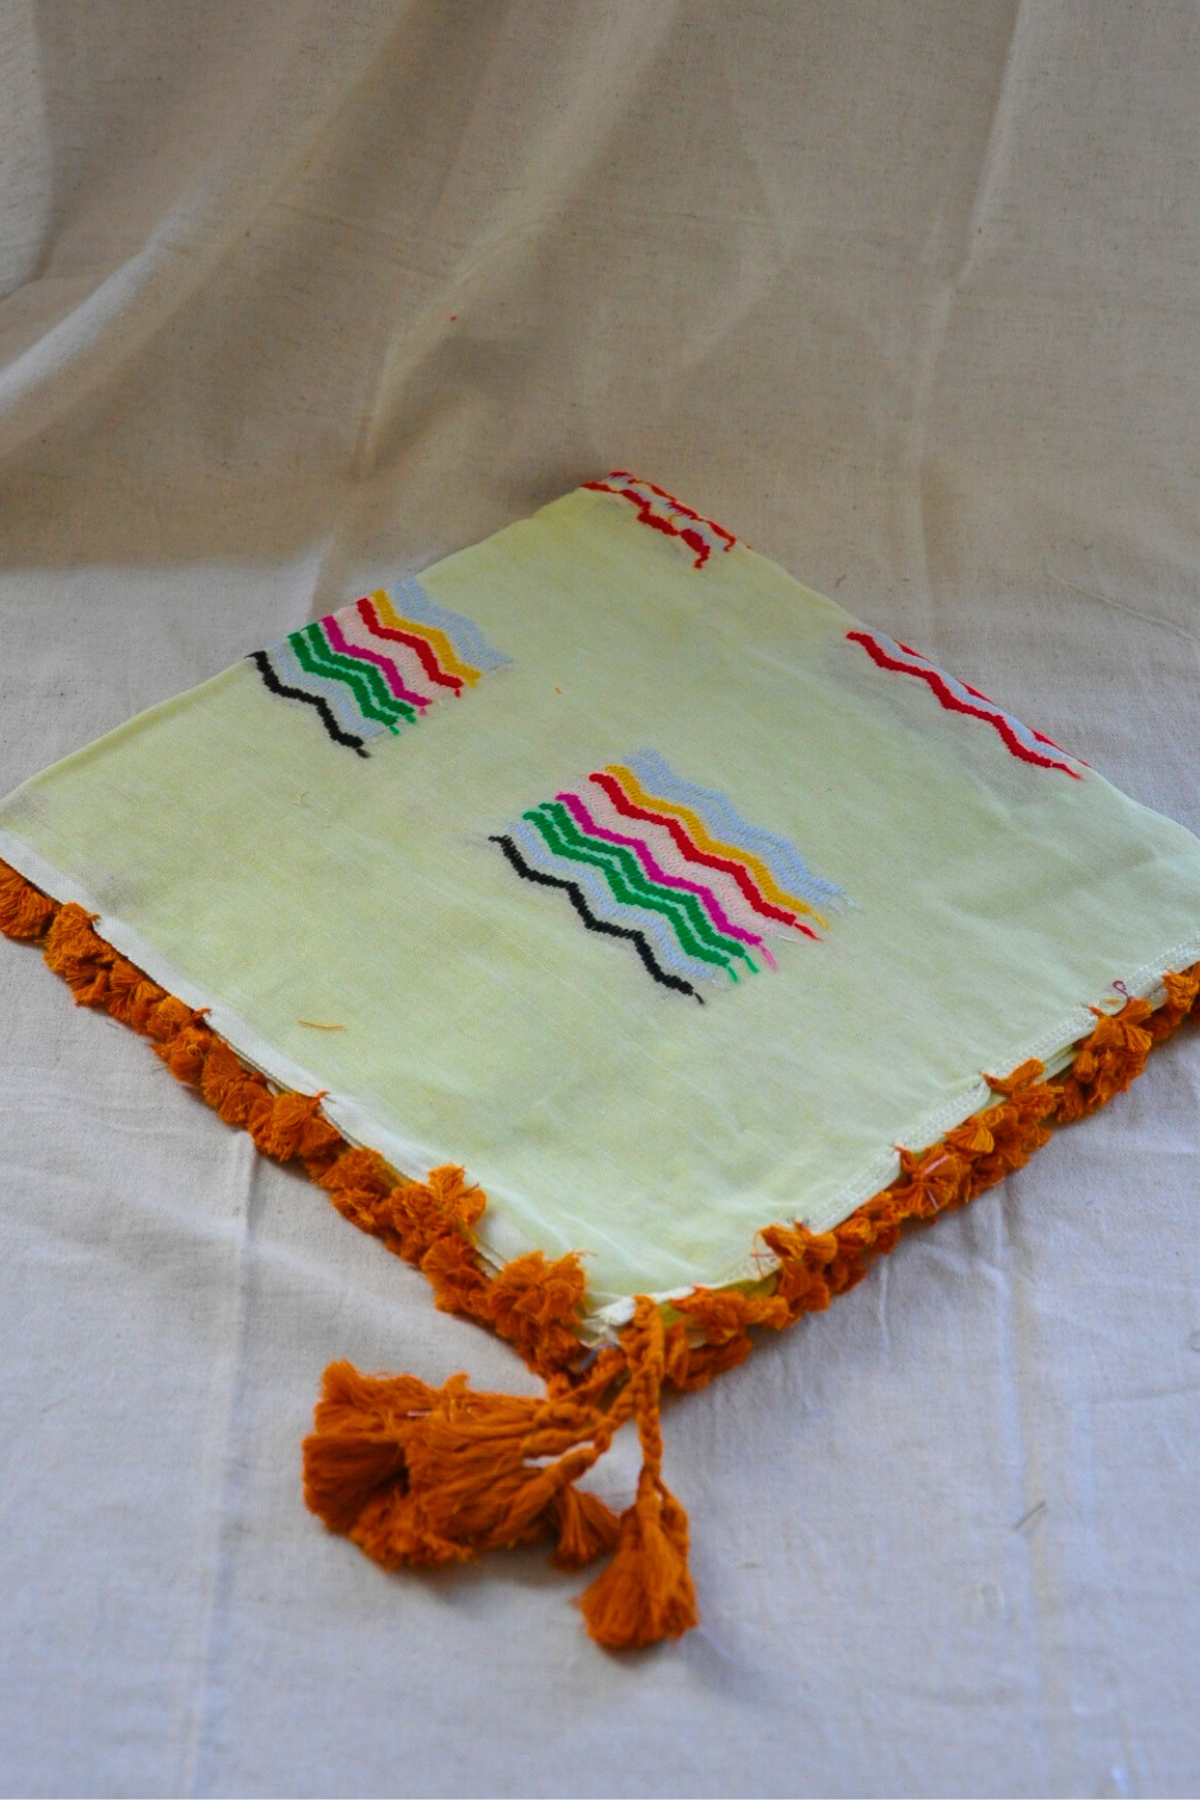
[[314, 653], [353, 670], [630, 884]]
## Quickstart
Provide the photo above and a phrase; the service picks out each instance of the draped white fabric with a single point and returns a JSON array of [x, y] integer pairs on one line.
[[906, 294]]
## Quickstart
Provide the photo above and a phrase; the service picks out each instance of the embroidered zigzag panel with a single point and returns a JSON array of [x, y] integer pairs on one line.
[[377, 664], [663, 512], [673, 869], [1019, 740]]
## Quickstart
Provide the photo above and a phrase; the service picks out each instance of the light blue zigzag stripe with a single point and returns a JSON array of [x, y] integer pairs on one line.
[[337, 696], [605, 905], [781, 857], [411, 601]]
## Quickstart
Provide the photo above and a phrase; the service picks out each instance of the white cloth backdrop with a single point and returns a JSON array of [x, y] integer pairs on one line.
[[907, 293]]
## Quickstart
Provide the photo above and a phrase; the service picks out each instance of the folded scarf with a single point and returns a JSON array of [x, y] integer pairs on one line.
[[694, 935]]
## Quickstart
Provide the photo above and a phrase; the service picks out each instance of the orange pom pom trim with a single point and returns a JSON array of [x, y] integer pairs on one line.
[[418, 1476]]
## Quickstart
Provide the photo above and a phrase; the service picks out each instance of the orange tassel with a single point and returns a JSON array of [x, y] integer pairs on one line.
[[417, 1476], [1181, 990], [74, 951], [646, 1592], [587, 1528], [24, 911], [296, 1130], [536, 1306], [1109, 1060]]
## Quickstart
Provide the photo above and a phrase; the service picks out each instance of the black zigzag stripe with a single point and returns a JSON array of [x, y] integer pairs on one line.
[[575, 894], [262, 663]]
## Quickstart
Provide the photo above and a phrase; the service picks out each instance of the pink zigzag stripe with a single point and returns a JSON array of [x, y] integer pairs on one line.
[[419, 648], [952, 703], [654, 869], [404, 661], [632, 809], [663, 847], [385, 664]]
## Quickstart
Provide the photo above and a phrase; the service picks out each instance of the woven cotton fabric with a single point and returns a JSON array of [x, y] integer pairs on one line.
[[607, 860]]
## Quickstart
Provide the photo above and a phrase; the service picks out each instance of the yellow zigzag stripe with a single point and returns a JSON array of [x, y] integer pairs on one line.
[[766, 881], [446, 654]]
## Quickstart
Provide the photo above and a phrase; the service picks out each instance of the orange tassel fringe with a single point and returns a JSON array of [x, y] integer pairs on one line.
[[419, 1476]]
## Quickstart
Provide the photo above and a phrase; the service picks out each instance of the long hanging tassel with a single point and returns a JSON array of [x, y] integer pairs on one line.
[[417, 1476], [646, 1592]]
